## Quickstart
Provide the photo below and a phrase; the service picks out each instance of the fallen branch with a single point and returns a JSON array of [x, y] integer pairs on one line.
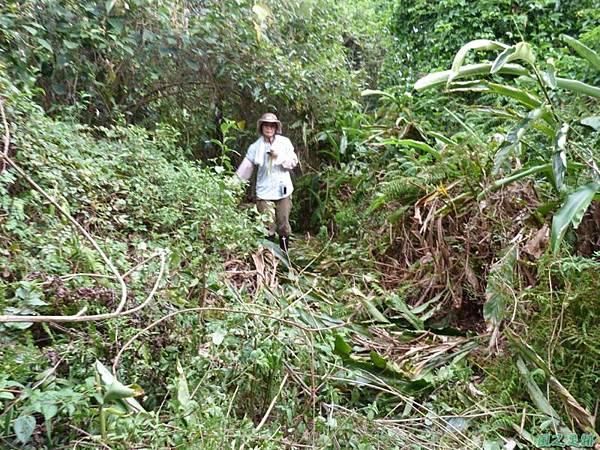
[[81, 317], [6, 137], [272, 404], [216, 309], [6, 129]]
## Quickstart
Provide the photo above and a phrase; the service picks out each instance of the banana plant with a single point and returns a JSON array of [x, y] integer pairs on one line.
[[540, 114]]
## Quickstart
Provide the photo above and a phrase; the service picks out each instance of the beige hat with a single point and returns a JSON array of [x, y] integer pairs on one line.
[[270, 118]]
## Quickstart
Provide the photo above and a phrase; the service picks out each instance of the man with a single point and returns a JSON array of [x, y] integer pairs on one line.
[[275, 157]]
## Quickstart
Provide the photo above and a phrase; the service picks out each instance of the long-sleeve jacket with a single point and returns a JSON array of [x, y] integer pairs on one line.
[[273, 180]]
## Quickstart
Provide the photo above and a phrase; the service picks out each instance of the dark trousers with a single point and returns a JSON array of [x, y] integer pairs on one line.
[[281, 225]]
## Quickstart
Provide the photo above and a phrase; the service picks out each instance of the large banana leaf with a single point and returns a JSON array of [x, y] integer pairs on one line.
[[499, 289], [515, 176], [522, 96], [583, 50], [368, 92], [477, 44], [578, 87], [571, 213], [412, 144], [538, 398], [522, 51], [436, 79], [559, 159]]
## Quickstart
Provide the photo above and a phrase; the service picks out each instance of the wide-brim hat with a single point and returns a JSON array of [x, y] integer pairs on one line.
[[270, 118]]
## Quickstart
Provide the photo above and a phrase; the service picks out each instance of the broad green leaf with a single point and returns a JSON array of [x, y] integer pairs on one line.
[[148, 35], [401, 307], [378, 360], [109, 5], [113, 388], [436, 79], [537, 396], [517, 133], [571, 213], [118, 25], [412, 144], [419, 145], [19, 325], [70, 45], [523, 51], [583, 50], [477, 44], [6, 395], [499, 289], [116, 390], [502, 59], [341, 347], [515, 176], [492, 445], [513, 138], [49, 410], [427, 309], [369, 306], [373, 311], [498, 112], [192, 64], [118, 409], [521, 95], [183, 392], [442, 138], [559, 158], [30, 30], [578, 87], [549, 75], [367, 92], [592, 121], [24, 426], [44, 43]]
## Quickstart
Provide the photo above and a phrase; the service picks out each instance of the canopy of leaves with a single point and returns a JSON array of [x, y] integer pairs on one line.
[[187, 64], [429, 33]]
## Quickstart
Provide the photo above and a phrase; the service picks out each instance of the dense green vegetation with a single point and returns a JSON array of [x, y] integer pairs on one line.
[[442, 287]]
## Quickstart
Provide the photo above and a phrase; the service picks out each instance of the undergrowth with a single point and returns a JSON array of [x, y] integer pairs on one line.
[[426, 306]]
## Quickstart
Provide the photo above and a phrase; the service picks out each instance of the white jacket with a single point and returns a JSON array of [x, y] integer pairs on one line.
[[273, 181]]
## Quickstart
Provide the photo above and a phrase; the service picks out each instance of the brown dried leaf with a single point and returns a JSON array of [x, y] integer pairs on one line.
[[535, 247]]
